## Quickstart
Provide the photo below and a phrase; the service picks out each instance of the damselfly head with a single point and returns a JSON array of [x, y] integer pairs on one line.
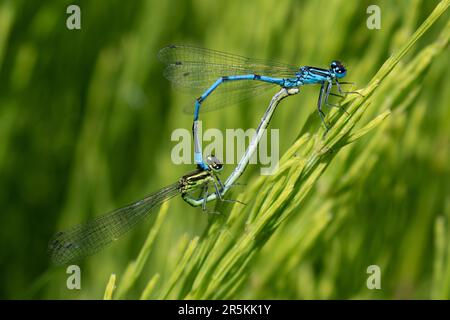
[[213, 163], [338, 69]]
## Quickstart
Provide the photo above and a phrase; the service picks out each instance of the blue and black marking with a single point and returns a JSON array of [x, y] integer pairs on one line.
[[306, 75], [191, 60]]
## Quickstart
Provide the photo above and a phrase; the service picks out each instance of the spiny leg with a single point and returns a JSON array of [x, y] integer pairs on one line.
[[319, 106], [221, 198], [205, 195], [337, 95], [328, 93], [338, 84], [346, 82], [222, 186], [219, 182]]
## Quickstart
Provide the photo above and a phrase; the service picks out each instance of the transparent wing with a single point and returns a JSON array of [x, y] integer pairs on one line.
[[192, 67], [86, 239], [193, 70]]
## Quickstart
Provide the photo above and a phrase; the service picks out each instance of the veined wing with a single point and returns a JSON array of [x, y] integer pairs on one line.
[[86, 239], [193, 67]]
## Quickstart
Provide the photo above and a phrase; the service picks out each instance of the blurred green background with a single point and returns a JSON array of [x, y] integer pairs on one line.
[[86, 118]]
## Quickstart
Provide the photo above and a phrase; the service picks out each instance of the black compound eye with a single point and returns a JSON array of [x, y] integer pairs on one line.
[[336, 64], [214, 163], [337, 67]]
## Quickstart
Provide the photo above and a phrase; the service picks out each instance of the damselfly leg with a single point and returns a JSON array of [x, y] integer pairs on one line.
[[338, 85], [320, 103], [329, 93], [219, 187], [325, 92]]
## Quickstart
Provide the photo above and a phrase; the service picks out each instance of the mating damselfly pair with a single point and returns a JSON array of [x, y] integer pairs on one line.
[[205, 70]]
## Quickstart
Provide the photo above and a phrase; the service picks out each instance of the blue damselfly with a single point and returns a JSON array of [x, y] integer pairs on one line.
[[240, 77]]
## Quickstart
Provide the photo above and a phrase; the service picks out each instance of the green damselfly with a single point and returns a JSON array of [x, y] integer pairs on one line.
[[86, 239]]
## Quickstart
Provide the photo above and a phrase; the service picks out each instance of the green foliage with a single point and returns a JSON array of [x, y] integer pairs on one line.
[[85, 124]]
